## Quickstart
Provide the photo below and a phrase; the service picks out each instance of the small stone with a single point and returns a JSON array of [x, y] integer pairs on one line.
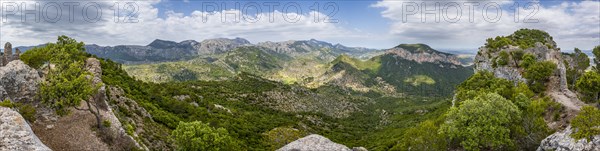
[[49, 126], [359, 149]]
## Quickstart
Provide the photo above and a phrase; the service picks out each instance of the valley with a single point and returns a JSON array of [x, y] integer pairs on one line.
[[267, 95]]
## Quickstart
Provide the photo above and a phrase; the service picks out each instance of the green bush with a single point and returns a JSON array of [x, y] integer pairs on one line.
[[425, 136], [196, 135], [483, 123], [586, 124], [524, 38], [503, 58], [538, 73], [106, 123], [484, 82], [528, 59], [129, 129], [28, 112], [589, 86], [7, 103]]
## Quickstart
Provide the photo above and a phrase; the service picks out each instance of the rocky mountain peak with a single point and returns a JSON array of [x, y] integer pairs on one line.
[[503, 57], [417, 48], [162, 44], [422, 53], [220, 45]]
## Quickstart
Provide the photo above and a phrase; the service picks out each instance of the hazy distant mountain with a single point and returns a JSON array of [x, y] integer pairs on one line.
[[163, 50]]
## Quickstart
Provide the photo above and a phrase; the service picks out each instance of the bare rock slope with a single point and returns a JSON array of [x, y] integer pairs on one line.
[[15, 133]]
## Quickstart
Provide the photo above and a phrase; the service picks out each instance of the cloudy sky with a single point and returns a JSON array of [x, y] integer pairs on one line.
[[449, 25]]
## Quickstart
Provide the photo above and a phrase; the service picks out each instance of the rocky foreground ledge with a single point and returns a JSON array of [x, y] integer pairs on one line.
[[15, 133], [317, 143], [562, 141]]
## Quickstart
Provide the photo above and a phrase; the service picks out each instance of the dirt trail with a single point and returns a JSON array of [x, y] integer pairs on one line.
[[567, 99], [70, 132]]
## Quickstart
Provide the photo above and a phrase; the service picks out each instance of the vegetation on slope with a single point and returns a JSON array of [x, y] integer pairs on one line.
[[524, 38]]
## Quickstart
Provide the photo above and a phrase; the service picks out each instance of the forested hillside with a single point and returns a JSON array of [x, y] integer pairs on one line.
[[521, 94]]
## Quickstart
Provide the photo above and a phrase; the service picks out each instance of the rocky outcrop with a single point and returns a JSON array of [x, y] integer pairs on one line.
[[93, 66], [15, 133], [18, 82], [557, 86], [316, 142], [562, 141], [8, 55]]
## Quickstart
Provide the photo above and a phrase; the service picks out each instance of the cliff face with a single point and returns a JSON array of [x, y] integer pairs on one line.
[[15, 133]]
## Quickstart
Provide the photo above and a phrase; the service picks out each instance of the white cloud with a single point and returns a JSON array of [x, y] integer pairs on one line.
[[175, 26], [572, 24]]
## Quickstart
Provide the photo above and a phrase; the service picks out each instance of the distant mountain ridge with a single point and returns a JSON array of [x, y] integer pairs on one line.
[[164, 50]]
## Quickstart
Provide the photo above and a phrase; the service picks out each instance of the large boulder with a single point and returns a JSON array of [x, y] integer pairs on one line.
[[562, 141], [314, 142], [15, 133], [18, 82]]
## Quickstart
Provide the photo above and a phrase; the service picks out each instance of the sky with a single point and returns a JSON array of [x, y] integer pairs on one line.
[[444, 25]]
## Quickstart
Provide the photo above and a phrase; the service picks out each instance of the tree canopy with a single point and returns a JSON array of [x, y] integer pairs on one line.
[[538, 73], [589, 86], [67, 84], [482, 123], [587, 123], [196, 135]]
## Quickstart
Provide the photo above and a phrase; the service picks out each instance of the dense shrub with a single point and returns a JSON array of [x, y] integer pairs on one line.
[[199, 136], [538, 73], [589, 86], [587, 123], [524, 38], [483, 123]]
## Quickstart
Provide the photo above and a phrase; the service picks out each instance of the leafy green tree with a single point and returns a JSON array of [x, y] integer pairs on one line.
[[67, 84], [196, 135], [503, 58], [538, 73], [528, 59], [580, 63], [483, 123], [484, 82], [589, 86], [587, 123], [517, 56], [61, 53], [425, 136], [532, 128]]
